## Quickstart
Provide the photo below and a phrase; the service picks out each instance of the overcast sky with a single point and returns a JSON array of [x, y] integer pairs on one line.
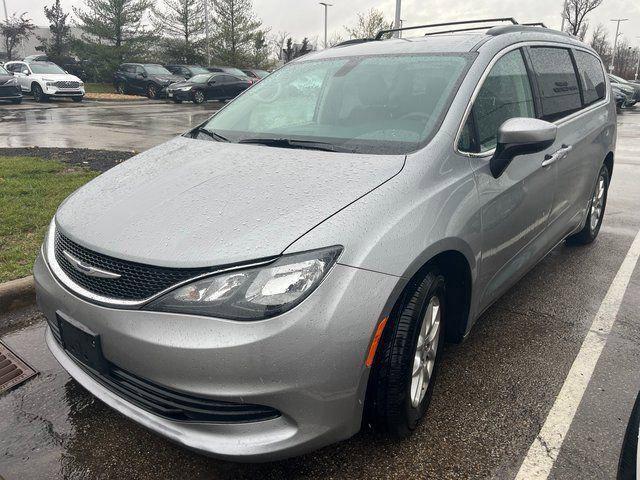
[[302, 18]]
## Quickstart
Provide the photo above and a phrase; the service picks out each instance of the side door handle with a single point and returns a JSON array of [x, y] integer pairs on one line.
[[557, 155]]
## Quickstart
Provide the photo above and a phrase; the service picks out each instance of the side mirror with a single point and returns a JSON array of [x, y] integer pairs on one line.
[[25, 72], [521, 136]]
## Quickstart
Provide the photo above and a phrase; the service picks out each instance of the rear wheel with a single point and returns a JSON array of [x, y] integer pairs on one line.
[[409, 356], [198, 96], [38, 94], [595, 216]]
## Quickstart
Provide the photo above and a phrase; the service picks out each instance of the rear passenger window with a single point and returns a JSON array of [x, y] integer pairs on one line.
[[591, 75], [505, 93], [558, 83]]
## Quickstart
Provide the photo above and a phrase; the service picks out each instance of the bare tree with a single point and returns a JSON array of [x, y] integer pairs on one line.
[[369, 24], [334, 39], [575, 12], [600, 43], [277, 44], [13, 30]]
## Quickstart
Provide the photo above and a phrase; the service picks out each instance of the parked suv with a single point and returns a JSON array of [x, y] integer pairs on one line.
[[254, 287], [147, 79], [45, 80]]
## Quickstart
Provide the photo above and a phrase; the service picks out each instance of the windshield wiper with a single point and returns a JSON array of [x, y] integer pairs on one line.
[[215, 136], [291, 143]]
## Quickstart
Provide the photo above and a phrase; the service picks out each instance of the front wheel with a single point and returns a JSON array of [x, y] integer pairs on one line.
[[152, 91], [406, 366], [121, 88], [595, 216], [198, 97], [38, 94]]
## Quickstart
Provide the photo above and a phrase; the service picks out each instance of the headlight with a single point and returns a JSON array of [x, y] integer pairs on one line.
[[184, 89], [50, 84], [254, 293]]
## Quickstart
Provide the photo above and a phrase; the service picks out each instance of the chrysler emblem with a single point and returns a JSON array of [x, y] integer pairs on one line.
[[88, 269]]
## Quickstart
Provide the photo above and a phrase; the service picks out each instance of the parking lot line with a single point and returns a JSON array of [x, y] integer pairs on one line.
[[545, 449]]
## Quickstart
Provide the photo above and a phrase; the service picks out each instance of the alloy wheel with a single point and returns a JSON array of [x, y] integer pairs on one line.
[[426, 351], [199, 96], [151, 91], [597, 202]]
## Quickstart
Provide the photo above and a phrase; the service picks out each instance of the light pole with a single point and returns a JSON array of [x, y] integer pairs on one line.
[[6, 15], [397, 23], [206, 31], [326, 6], [637, 64], [615, 40]]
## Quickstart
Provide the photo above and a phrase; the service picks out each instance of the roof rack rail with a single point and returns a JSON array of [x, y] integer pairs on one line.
[[381, 33], [534, 24], [504, 29], [470, 29], [354, 41]]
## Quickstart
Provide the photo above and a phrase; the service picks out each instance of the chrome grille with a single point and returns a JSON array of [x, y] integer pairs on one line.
[[137, 281], [66, 84]]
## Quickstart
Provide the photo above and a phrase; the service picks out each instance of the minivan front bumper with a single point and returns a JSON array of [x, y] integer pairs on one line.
[[308, 363]]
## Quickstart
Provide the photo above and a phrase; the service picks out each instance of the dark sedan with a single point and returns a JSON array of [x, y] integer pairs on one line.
[[200, 88], [9, 87]]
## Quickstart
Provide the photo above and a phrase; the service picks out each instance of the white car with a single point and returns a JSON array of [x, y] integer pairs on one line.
[[45, 80]]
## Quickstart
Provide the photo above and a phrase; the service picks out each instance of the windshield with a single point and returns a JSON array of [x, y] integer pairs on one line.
[[3, 71], [373, 104], [45, 68], [234, 71], [200, 78], [156, 70], [198, 70]]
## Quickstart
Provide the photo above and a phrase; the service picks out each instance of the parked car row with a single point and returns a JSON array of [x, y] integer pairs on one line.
[[184, 82], [626, 93]]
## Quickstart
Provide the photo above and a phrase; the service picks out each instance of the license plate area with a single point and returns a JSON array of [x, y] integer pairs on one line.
[[82, 344]]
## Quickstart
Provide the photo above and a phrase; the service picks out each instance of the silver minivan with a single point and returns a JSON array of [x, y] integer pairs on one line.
[[257, 287]]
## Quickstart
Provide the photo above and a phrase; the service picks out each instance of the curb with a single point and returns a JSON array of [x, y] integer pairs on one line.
[[16, 294]]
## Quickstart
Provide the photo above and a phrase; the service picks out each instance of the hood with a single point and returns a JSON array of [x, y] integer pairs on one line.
[[5, 78], [184, 83], [58, 76], [195, 203]]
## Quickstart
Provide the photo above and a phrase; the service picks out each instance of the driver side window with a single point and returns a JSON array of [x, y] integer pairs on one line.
[[506, 93]]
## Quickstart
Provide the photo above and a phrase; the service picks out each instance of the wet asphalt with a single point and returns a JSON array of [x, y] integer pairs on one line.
[[134, 125], [493, 394]]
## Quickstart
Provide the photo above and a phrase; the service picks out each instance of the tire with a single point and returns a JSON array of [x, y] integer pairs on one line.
[[121, 88], [77, 99], [17, 101], [38, 94], [393, 402], [597, 206], [627, 463], [152, 91], [198, 97]]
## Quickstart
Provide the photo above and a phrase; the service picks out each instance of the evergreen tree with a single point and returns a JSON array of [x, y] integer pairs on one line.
[[57, 46], [234, 31], [181, 24], [114, 32]]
